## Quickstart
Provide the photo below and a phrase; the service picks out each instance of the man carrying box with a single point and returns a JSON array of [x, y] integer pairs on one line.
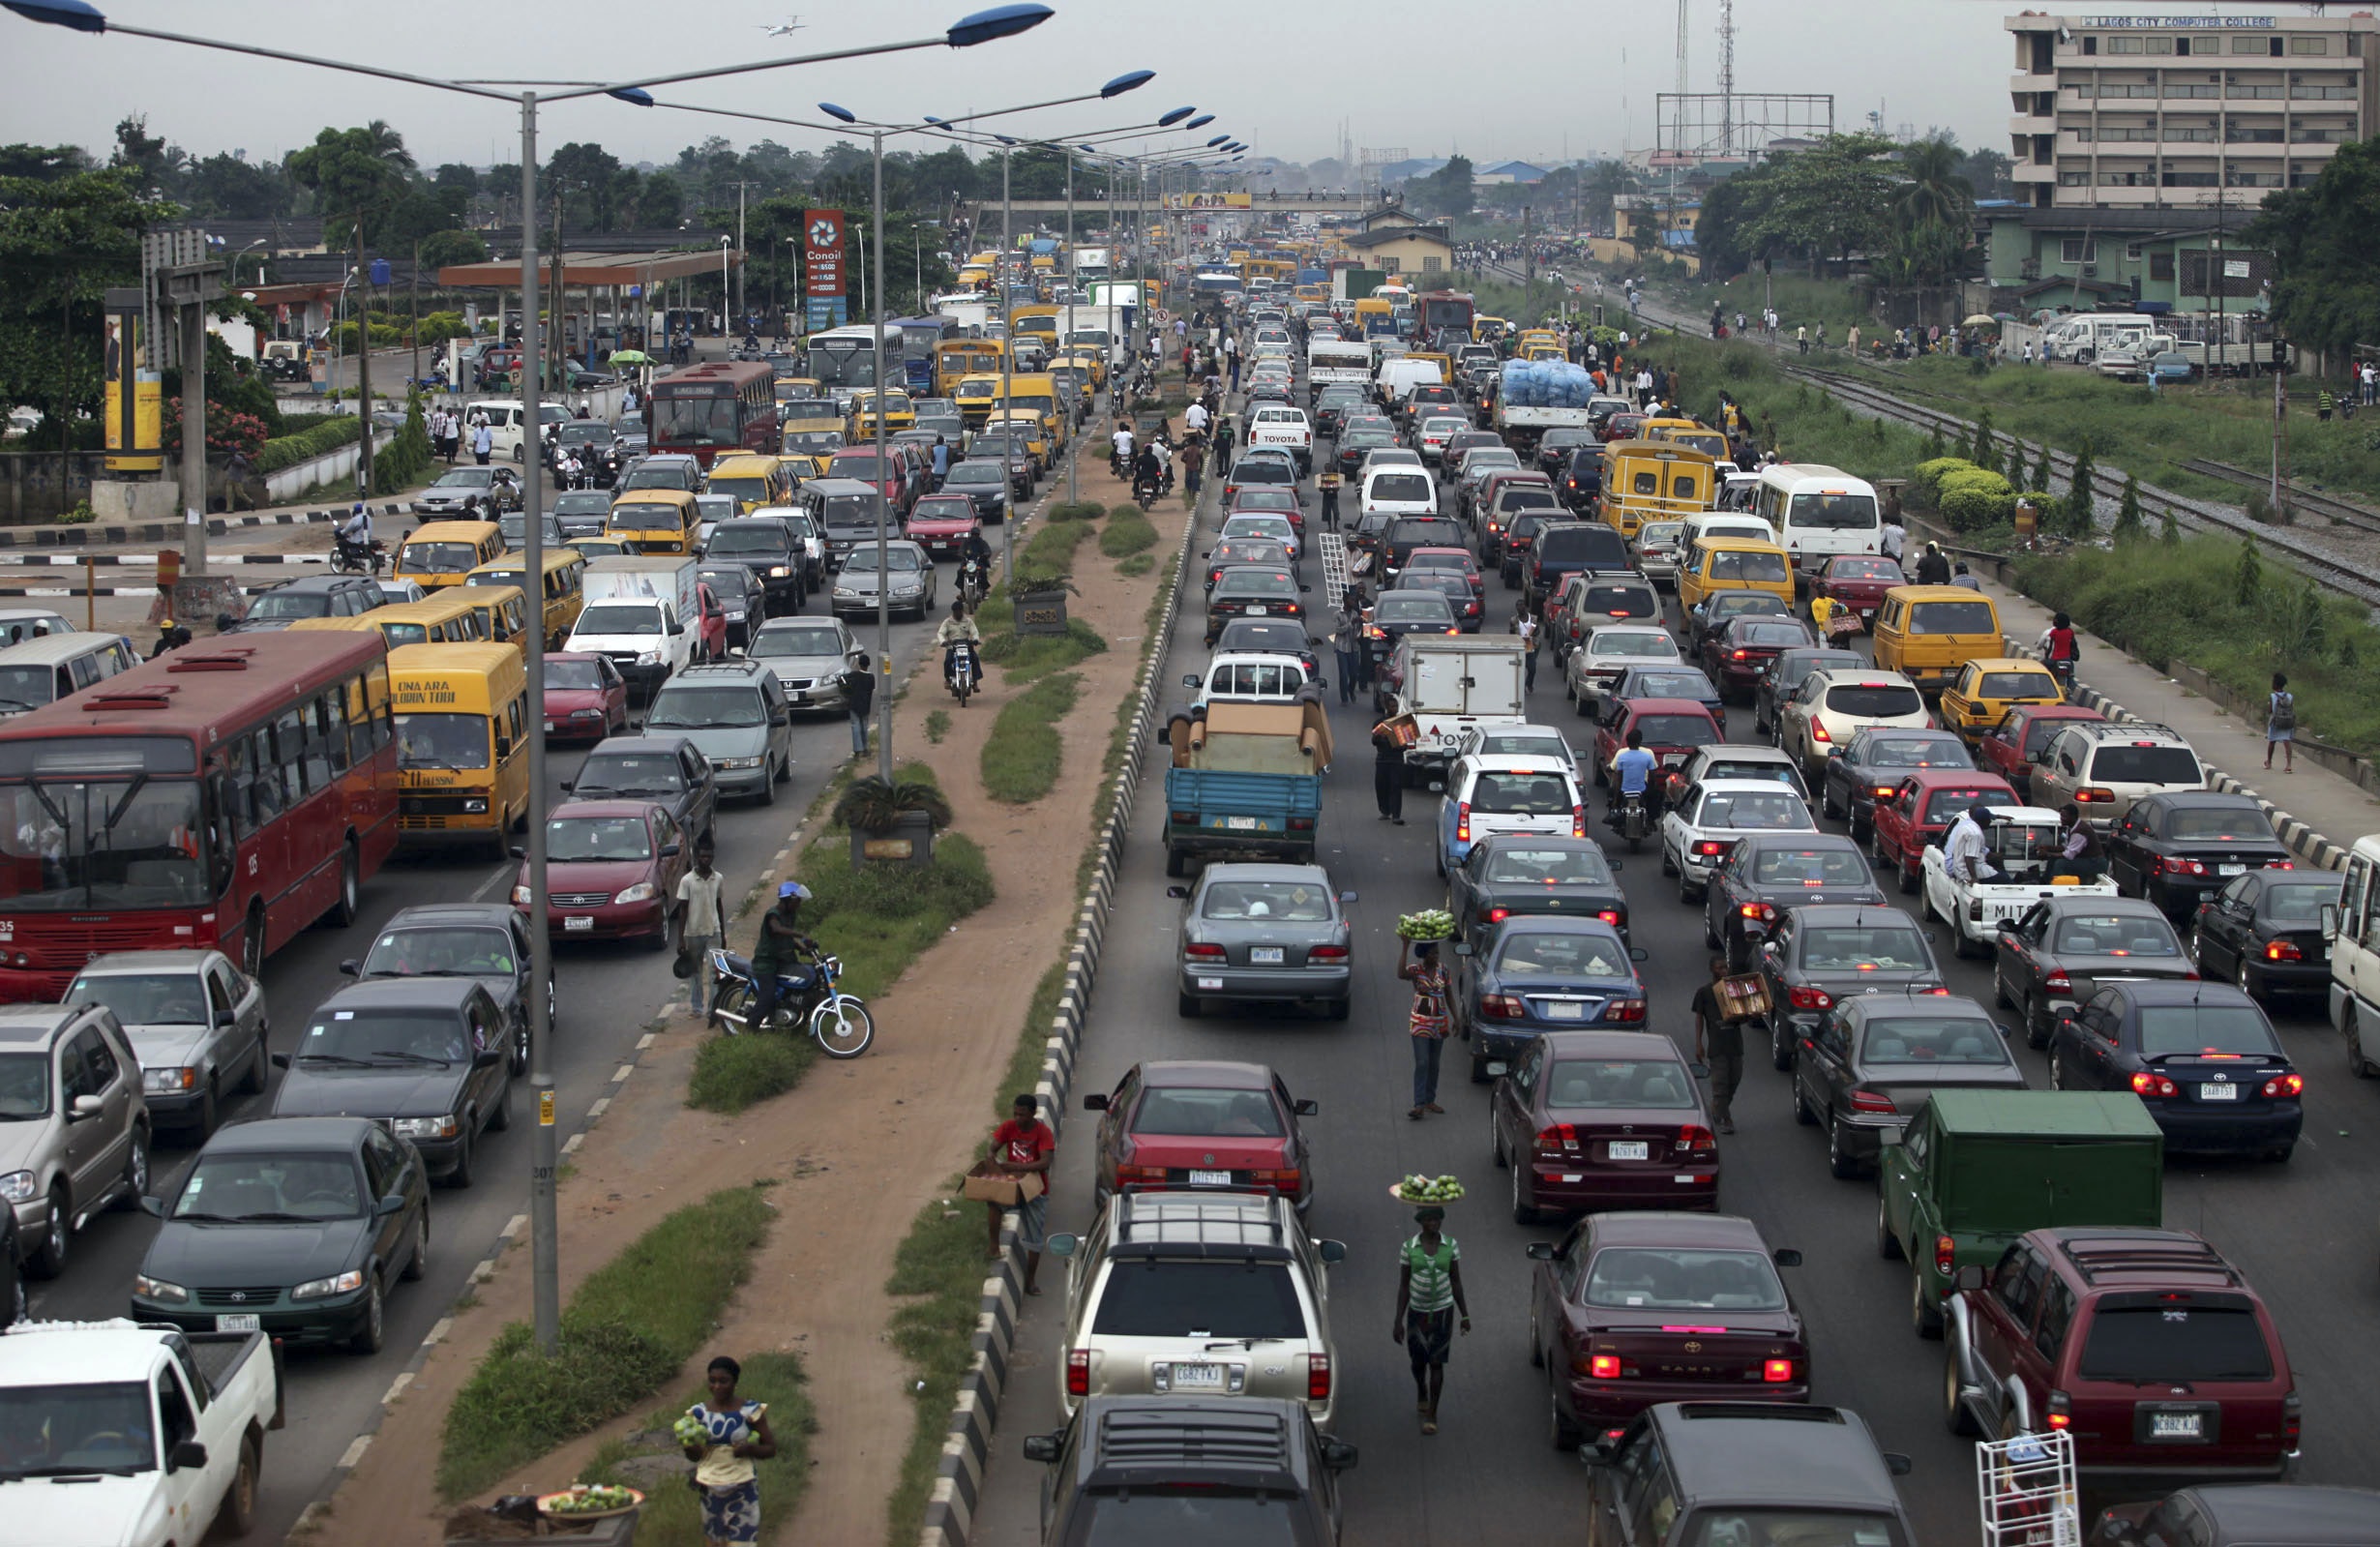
[[1025, 1146]]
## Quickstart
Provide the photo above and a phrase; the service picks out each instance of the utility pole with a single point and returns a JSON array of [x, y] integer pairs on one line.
[[363, 379], [745, 264], [1009, 359], [535, 432], [416, 330]]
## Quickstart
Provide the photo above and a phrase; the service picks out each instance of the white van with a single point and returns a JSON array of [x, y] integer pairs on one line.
[[56, 666], [1395, 490], [1820, 513], [2085, 337], [506, 421], [1399, 377], [2352, 930]]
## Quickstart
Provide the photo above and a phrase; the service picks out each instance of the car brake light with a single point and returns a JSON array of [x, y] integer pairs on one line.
[[1612, 917], [2282, 951], [2285, 1085], [1740, 655], [1777, 1372], [1871, 1102], [2094, 795], [1884, 791], [1818, 731], [1578, 821], [1710, 847], [1301, 825], [1694, 1138], [2293, 1417], [1809, 998], [1553, 1141], [1496, 915], [1759, 911], [1626, 1012], [2061, 1410], [2058, 983], [2150, 1083], [1202, 950], [1151, 1175], [2176, 865], [1318, 1377], [1462, 822], [1946, 1255], [1078, 1372], [2281, 864], [1501, 1007]]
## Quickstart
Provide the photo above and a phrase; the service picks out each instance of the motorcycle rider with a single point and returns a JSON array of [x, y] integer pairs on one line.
[[2058, 647], [978, 552], [950, 630], [1632, 775], [354, 535], [781, 947], [1147, 472], [1121, 457]]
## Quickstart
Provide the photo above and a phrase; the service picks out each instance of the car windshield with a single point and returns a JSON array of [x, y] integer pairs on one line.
[[2162, 1344], [1756, 811], [449, 742], [1864, 569], [1672, 685], [1188, 1515], [385, 1035], [1497, 793], [1412, 607], [25, 1086], [466, 478], [2114, 934], [1728, 768], [271, 1188], [1809, 866], [974, 472], [273, 606], [2191, 822], [624, 620], [659, 475], [1200, 1299], [472, 950], [1283, 902], [1678, 731], [1678, 1278], [1747, 565], [1546, 867], [1661, 1083], [1954, 618], [942, 509], [730, 538], [901, 560], [1875, 700], [1631, 645], [688, 707], [432, 559], [2184, 1031], [812, 640], [1915, 751], [630, 773], [71, 1431], [585, 675], [1731, 1527], [1932, 1039], [1403, 487], [1206, 1112], [1533, 954], [144, 998]]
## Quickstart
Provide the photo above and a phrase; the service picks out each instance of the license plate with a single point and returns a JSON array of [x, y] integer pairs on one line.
[[1210, 1179], [2177, 1425], [1256, 612], [1242, 825], [1560, 1010], [796, 697], [1631, 1149], [2231, 869], [2221, 1092], [1265, 955], [548, 728], [1198, 1376], [1211, 983], [239, 1322], [577, 922]]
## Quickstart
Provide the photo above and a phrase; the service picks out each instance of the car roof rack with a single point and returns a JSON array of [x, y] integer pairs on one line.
[[2099, 1256]]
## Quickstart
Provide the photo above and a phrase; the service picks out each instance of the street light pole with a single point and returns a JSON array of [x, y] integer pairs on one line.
[[1008, 360], [1073, 284], [883, 546]]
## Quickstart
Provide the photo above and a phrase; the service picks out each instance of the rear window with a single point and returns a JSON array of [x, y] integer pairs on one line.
[[1690, 1278], [1734, 564], [1425, 534], [1589, 545], [1832, 513], [1563, 956], [2180, 1031], [2115, 934], [1864, 569], [2217, 823], [1200, 1299], [1412, 488], [1945, 805], [1264, 470], [1658, 1083], [1864, 947], [1678, 731], [1200, 1111], [2182, 1343], [1530, 498], [2146, 765], [1774, 635], [1256, 582], [1932, 1039], [1521, 794], [1626, 601], [1548, 867], [1917, 752], [1953, 617], [2017, 685], [1742, 809], [1878, 700], [1809, 866], [1627, 642]]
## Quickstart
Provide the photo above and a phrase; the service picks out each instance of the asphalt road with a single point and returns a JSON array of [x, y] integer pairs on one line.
[[607, 997], [2302, 1233]]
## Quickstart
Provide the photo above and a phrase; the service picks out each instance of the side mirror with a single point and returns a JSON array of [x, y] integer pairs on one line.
[[1969, 1277], [1637, 953], [1177, 892], [1596, 1452], [1043, 1447], [1889, 1138], [190, 1454], [1462, 948], [224, 1017], [1614, 865], [2329, 923], [281, 1060], [1438, 787], [392, 1204], [568, 785], [1896, 1463], [1094, 1103], [350, 967], [155, 1207], [1063, 1245], [487, 1060], [1190, 680], [1833, 753], [85, 1106], [669, 851], [2004, 1029], [1306, 1107], [1786, 1257], [1338, 1455], [1331, 1251], [1347, 896], [519, 852], [1541, 1251]]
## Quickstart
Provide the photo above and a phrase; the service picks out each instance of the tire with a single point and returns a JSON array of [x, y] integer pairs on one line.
[[1174, 862], [1887, 1244], [2352, 1035], [19, 1303], [1496, 1142], [1924, 1317], [843, 1027], [2239, 975], [238, 1515], [49, 1260], [259, 1063], [369, 1337], [1955, 1414], [1522, 1212], [1478, 1069], [1187, 1005], [1826, 806], [461, 1178], [1781, 1046], [768, 786], [208, 1117], [2036, 1023], [1908, 879], [1560, 1431], [500, 1121], [1840, 1161], [2057, 1070], [417, 1262], [1536, 1348]]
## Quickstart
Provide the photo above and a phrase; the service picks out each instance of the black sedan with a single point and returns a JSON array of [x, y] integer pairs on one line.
[[2178, 847], [426, 1055], [1815, 958], [1252, 590], [1525, 975], [1738, 652], [1785, 674], [488, 943], [2201, 1057], [1668, 682], [2264, 932], [1768, 875], [1875, 760], [1273, 636], [1508, 874], [1398, 613], [979, 481], [668, 771], [294, 1226], [580, 511], [1873, 1060]]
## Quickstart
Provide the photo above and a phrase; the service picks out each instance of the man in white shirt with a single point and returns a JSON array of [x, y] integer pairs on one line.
[[701, 891], [1123, 441], [1966, 852], [482, 440], [1894, 538], [1194, 418]]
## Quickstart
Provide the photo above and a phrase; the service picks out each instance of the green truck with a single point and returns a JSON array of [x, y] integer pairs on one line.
[[1977, 1169]]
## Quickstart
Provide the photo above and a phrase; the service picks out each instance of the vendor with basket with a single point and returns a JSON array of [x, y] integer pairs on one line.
[[1430, 1301]]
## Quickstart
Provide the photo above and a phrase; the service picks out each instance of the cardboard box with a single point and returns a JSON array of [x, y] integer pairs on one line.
[[1743, 996], [989, 1185]]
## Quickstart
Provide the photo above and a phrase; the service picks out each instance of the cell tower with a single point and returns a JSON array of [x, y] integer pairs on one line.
[[1727, 78], [1681, 47]]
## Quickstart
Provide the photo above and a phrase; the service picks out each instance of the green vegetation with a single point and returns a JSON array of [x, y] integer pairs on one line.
[[1129, 533], [938, 1275], [672, 1514], [1137, 565], [287, 451], [1077, 510], [1048, 555], [1799, 301], [938, 725], [873, 804], [1032, 1037], [733, 1073], [624, 1333], [1021, 757], [880, 917], [1027, 658], [2214, 604]]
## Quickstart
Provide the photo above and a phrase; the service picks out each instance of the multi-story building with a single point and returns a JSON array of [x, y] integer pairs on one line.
[[2184, 111]]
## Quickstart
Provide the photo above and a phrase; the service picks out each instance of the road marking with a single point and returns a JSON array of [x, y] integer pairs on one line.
[[397, 1388], [438, 1330], [570, 1146], [596, 1111], [645, 1041], [625, 1070], [353, 1455], [513, 1226], [491, 882]]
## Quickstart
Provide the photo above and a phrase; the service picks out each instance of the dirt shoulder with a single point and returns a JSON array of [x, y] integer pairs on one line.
[[855, 1149]]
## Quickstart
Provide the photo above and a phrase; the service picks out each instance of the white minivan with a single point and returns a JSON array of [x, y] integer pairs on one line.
[[506, 421], [2352, 928], [1397, 489], [1820, 513], [57, 665]]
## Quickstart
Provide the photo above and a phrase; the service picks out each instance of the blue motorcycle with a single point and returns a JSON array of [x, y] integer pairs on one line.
[[839, 1021]]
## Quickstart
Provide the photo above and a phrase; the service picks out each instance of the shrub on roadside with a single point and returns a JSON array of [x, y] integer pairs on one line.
[[732, 1073], [287, 451], [1130, 533]]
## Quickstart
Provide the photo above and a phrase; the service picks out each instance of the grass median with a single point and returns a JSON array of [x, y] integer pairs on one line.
[[624, 1335], [1021, 757], [937, 1278], [650, 1459]]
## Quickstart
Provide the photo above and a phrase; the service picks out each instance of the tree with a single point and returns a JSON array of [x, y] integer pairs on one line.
[[1831, 200], [440, 249], [64, 239], [2081, 503], [2128, 527], [1448, 190], [2169, 530], [2248, 576], [594, 189], [1983, 453], [354, 180], [2326, 289], [145, 155], [231, 189], [1934, 190], [1989, 174], [1603, 182], [43, 164], [2042, 472], [661, 203]]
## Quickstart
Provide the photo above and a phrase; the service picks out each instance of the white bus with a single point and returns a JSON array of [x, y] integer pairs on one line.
[[1818, 512], [843, 359]]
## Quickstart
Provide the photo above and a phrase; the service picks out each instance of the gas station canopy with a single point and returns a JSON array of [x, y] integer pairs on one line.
[[588, 270]]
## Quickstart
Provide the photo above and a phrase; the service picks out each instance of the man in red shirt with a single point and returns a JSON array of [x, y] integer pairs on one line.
[[1025, 1143]]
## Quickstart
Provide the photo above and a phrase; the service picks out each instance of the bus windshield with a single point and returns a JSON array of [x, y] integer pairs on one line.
[[680, 419], [843, 363], [445, 742], [85, 843]]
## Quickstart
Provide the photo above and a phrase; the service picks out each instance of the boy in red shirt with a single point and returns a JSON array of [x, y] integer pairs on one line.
[[1022, 1144]]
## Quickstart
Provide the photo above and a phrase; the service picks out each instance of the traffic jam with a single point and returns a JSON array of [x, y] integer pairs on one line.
[[1945, 1181]]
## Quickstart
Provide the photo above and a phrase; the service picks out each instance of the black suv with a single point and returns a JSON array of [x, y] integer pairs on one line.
[[768, 550], [311, 596], [1711, 1472], [425, 1056], [1177, 1467]]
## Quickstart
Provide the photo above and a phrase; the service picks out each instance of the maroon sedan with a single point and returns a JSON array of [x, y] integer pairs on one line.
[[1589, 1120], [586, 698], [1859, 582], [1738, 651], [1455, 559], [1468, 613], [1271, 499], [611, 872], [941, 524], [1191, 1124], [1630, 1310]]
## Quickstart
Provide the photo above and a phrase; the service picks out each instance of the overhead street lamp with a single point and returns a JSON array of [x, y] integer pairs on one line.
[[983, 26]]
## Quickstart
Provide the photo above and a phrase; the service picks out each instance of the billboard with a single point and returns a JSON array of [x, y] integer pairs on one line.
[[822, 276], [133, 411], [1209, 201]]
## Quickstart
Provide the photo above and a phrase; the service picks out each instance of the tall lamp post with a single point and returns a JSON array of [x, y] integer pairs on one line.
[[983, 26]]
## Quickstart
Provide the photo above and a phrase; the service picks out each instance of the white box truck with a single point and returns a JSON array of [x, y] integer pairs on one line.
[[642, 613], [1451, 683], [1333, 362]]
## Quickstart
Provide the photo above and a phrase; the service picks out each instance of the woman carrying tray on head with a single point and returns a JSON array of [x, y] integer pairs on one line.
[[736, 1434]]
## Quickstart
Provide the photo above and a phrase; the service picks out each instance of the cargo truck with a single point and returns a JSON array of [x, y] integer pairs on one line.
[[642, 613], [1247, 783]]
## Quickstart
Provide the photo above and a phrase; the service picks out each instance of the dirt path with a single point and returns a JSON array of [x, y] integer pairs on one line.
[[856, 1147]]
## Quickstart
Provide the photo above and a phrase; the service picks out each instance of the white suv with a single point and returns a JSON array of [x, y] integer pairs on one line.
[[1210, 1294], [2103, 768]]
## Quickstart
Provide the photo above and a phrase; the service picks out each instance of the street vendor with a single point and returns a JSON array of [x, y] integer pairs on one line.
[[1025, 1145], [1429, 1302], [1718, 1042]]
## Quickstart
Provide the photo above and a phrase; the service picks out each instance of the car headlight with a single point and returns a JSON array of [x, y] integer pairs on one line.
[[735, 763], [641, 892], [587, 714], [17, 1186], [156, 1289], [521, 897], [845, 593], [648, 658], [444, 1127], [477, 806], [168, 1081], [735, 615], [348, 1283], [778, 571]]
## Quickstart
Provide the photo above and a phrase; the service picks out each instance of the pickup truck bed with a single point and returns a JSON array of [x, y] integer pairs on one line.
[[1226, 814]]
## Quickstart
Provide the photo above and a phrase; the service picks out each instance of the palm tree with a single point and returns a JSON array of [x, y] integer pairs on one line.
[[1935, 189], [388, 145]]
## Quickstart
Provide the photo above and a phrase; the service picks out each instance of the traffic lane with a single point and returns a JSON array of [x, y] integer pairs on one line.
[[606, 997]]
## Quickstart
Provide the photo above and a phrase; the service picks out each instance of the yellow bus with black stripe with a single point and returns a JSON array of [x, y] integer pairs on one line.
[[562, 595]]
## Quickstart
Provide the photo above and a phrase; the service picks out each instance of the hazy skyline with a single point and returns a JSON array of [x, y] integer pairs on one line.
[[1496, 79]]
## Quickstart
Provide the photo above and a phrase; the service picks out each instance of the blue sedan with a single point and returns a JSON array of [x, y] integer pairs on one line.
[[1529, 973]]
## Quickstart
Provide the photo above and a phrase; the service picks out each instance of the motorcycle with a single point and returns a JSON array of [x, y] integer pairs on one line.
[[1145, 493], [2064, 671], [349, 557], [971, 583], [1635, 821], [839, 1021], [960, 673]]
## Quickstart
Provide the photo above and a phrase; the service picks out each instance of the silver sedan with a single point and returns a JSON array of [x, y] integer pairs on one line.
[[1258, 933]]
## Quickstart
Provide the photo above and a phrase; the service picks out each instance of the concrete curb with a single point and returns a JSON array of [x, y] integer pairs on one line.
[[95, 536], [974, 1416]]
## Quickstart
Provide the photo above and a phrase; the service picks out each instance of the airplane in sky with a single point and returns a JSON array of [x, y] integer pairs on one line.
[[782, 29]]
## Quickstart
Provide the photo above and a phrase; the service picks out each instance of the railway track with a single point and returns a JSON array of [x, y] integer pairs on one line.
[[2341, 512]]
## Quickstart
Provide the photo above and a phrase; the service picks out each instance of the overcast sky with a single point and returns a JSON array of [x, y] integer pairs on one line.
[[1492, 78]]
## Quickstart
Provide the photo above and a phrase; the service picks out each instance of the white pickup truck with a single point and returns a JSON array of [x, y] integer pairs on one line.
[[642, 613], [1274, 424], [161, 1433], [2024, 849]]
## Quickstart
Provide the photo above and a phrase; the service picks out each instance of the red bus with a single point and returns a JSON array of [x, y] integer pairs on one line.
[[226, 794], [1434, 309], [719, 406]]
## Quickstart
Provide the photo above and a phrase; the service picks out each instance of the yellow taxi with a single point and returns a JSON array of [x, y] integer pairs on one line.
[[1927, 633], [753, 479], [1734, 564], [1988, 687], [899, 415], [975, 396]]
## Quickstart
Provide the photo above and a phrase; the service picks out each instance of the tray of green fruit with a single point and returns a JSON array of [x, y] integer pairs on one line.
[[1420, 1189]]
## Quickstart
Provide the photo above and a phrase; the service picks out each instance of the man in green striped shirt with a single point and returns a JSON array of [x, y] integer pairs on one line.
[[1429, 1300]]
